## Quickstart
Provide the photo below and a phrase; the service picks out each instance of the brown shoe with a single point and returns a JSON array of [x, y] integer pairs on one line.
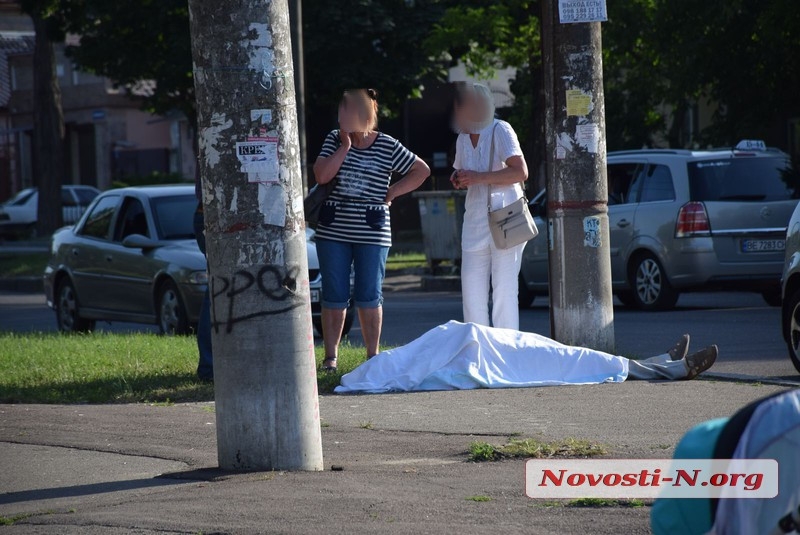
[[701, 361], [681, 349]]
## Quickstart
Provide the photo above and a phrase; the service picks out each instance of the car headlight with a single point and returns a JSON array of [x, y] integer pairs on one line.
[[198, 277]]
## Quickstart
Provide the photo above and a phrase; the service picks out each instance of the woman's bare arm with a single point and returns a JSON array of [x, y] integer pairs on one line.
[[325, 168], [413, 179], [517, 171]]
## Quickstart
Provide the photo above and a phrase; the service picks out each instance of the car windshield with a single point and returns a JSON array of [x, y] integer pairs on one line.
[[744, 179], [21, 198], [175, 216]]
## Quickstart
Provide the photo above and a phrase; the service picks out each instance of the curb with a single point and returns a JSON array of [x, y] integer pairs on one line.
[[22, 285], [735, 377]]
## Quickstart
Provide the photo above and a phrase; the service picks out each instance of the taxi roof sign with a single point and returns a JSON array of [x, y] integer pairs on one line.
[[751, 144]]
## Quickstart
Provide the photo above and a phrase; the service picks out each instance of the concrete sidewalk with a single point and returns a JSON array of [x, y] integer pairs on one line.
[[147, 469]]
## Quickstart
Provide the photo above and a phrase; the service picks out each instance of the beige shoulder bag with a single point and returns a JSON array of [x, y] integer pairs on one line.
[[512, 224]]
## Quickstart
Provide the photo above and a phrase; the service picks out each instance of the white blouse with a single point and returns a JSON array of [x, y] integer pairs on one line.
[[475, 233]]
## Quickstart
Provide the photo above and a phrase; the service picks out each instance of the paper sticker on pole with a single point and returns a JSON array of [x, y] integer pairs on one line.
[[259, 159], [579, 104], [591, 231], [571, 11], [588, 136]]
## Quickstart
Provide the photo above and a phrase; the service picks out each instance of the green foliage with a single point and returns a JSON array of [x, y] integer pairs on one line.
[[659, 55], [130, 41], [737, 53], [605, 502], [479, 498], [351, 43], [537, 449], [366, 43], [483, 451], [487, 36], [23, 265], [634, 81], [11, 520]]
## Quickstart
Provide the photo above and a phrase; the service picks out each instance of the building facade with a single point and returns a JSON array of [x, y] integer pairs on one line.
[[108, 137]]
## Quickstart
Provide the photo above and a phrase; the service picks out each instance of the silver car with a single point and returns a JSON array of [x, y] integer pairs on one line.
[[790, 317], [685, 220], [133, 257]]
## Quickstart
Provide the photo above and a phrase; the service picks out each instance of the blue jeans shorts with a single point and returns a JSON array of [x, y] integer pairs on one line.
[[337, 258]]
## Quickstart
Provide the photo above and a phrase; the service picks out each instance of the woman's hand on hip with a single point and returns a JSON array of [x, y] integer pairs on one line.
[[390, 196]]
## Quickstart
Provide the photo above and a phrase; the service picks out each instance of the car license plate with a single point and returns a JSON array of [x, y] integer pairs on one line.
[[315, 296], [763, 246]]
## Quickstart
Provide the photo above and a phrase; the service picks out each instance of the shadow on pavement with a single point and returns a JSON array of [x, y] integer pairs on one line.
[[88, 490]]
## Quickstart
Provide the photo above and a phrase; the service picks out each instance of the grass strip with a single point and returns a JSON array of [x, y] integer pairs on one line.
[[534, 449], [117, 368]]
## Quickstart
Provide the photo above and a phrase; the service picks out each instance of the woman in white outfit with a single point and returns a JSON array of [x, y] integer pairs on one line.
[[494, 184]]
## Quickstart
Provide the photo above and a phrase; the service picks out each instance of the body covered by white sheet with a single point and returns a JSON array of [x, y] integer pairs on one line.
[[459, 356]]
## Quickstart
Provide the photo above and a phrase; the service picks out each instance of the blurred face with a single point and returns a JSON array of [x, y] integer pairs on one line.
[[470, 111], [353, 116]]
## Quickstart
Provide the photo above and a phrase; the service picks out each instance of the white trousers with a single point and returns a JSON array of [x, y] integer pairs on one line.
[[500, 268]]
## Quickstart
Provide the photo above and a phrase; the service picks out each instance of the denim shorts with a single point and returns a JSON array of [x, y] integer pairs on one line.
[[337, 258]]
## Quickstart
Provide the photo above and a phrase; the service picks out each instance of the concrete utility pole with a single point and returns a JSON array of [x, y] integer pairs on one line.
[[264, 369], [581, 302]]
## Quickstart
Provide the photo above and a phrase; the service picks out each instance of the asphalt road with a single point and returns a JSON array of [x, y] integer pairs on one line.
[[745, 328]]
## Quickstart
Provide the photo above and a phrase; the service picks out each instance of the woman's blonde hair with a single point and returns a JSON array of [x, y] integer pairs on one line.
[[366, 101]]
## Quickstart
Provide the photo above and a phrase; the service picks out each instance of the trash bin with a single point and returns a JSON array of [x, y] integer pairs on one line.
[[441, 214]]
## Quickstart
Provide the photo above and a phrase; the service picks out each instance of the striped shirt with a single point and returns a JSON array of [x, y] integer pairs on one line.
[[356, 210]]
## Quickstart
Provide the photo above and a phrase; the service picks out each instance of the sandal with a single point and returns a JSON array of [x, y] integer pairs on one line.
[[329, 367], [681, 349], [699, 362]]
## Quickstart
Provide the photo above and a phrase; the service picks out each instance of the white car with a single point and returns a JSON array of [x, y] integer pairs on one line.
[[20, 213]]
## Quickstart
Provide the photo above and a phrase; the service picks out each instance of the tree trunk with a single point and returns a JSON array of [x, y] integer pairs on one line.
[[48, 131], [265, 382]]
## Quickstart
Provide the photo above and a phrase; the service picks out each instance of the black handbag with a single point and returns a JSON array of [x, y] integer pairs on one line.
[[313, 202]]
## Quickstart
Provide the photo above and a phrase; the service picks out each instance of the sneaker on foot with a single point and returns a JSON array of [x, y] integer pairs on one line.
[[681, 349], [699, 362]]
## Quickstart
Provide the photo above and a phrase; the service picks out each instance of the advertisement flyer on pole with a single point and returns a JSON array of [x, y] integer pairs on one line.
[[573, 11], [258, 157]]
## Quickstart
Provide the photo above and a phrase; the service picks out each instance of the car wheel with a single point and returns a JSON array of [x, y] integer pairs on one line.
[[792, 319], [170, 310], [773, 297], [348, 322], [525, 295], [67, 310], [651, 288]]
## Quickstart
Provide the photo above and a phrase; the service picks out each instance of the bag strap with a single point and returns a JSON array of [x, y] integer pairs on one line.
[[491, 166]]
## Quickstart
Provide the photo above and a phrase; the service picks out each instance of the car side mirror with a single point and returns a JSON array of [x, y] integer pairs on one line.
[[137, 241]]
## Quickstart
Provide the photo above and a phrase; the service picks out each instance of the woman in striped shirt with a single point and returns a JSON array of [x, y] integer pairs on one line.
[[354, 227]]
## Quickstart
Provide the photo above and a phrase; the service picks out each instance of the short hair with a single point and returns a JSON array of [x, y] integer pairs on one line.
[[367, 102]]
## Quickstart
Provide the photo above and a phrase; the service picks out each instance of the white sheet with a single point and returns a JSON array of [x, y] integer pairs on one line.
[[459, 356]]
